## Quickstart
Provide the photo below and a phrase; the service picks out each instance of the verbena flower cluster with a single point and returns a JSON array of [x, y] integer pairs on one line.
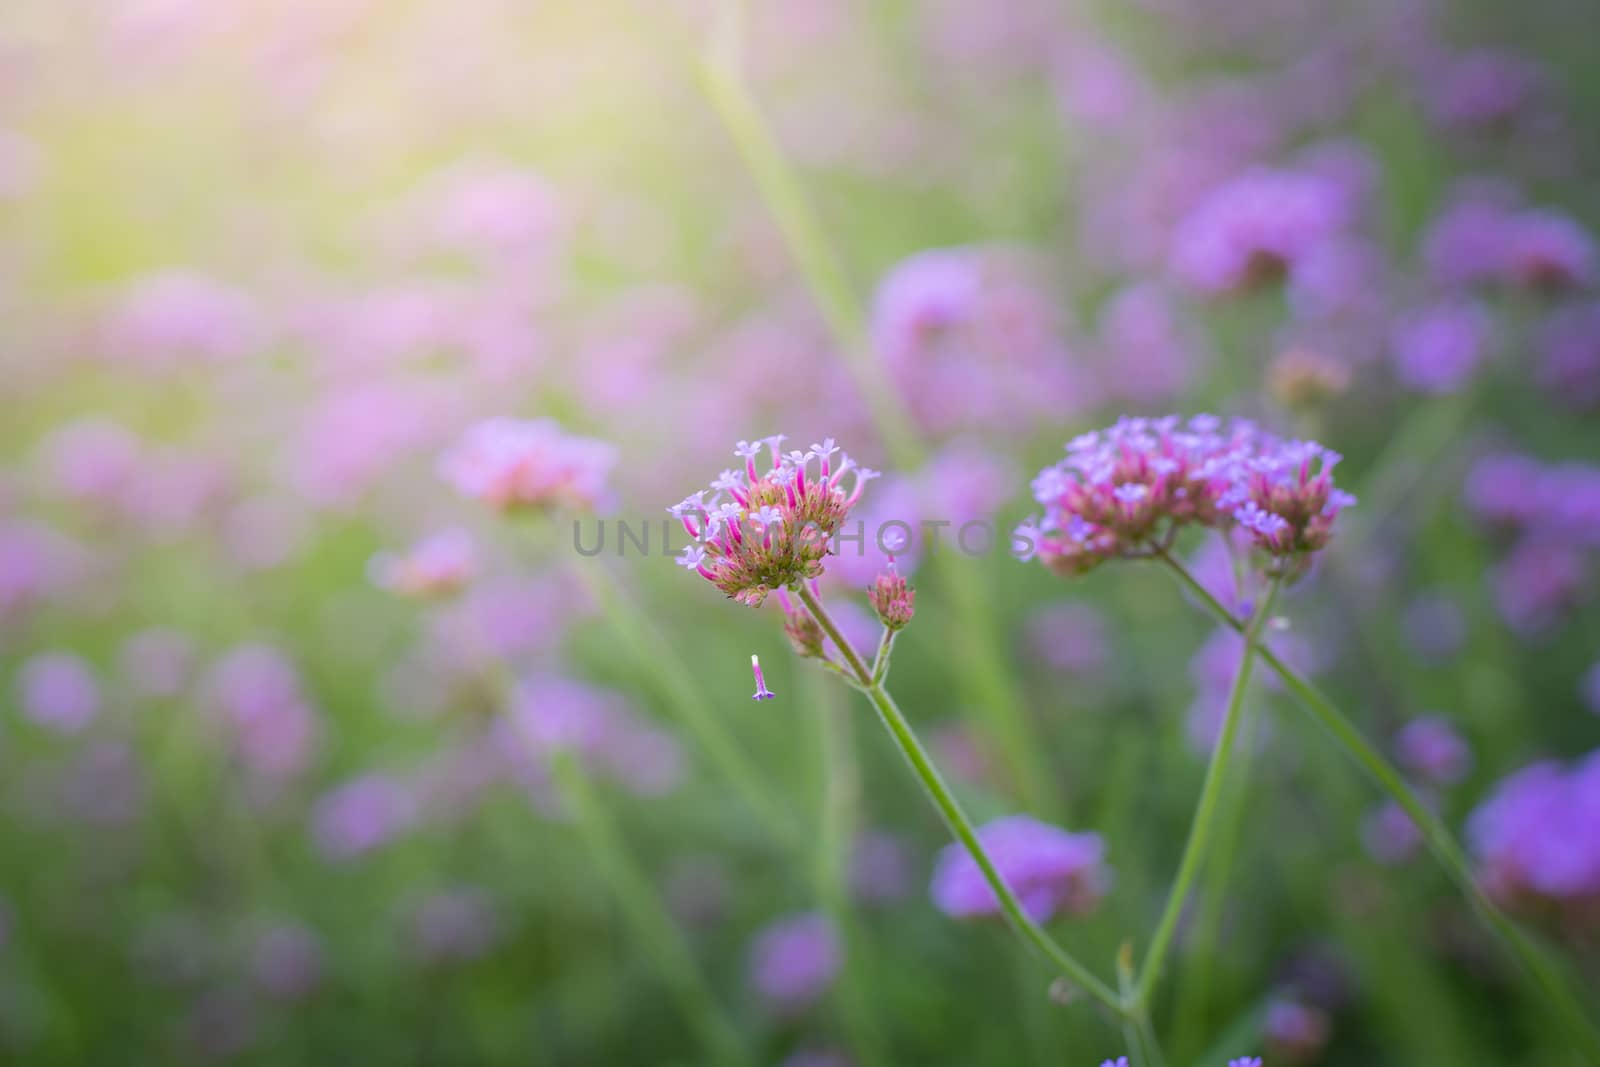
[[1127, 490], [775, 526]]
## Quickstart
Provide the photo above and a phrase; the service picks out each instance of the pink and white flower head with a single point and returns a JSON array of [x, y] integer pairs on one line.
[[1126, 491], [515, 464], [437, 566], [774, 527]]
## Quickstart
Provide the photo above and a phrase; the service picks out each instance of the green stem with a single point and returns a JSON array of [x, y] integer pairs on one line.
[[1552, 987], [955, 818], [647, 650], [648, 918], [1199, 978], [1200, 827], [1137, 1032]]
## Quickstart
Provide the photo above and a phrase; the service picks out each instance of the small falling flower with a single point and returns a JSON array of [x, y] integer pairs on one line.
[[776, 526], [532, 464], [762, 692]]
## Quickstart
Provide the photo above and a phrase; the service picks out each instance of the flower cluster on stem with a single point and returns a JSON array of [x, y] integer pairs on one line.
[[1126, 491], [775, 526]]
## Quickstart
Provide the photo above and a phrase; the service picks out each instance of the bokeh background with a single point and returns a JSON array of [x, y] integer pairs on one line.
[[263, 261]]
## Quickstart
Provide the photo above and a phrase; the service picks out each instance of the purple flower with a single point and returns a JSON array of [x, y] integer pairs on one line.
[[94, 461], [1049, 869], [1431, 748], [1149, 351], [1503, 488], [972, 337], [1069, 637], [1465, 243], [601, 728], [1485, 235], [36, 563], [1437, 349], [1295, 1031], [58, 690], [1547, 250], [1482, 87], [517, 464], [1390, 835], [495, 212], [1538, 582], [1569, 348], [794, 961], [361, 815], [1257, 228], [1126, 490], [1534, 837], [173, 319], [256, 692]]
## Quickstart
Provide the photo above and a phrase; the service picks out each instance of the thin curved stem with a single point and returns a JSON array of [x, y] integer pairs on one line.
[[1205, 812], [954, 816], [1553, 988]]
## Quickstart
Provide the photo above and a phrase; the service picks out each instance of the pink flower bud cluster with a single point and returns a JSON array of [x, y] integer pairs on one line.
[[892, 598], [1127, 490], [775, 527]]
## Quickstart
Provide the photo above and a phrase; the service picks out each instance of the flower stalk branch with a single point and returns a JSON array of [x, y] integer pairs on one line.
[[1580, 1028], [1205, 812], [889, 713]]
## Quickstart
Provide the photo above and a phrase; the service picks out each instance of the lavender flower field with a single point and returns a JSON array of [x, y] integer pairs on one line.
[[842, 533]]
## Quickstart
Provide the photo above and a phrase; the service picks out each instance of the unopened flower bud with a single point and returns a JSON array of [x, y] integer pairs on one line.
[[892, 598], [804, 635]]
